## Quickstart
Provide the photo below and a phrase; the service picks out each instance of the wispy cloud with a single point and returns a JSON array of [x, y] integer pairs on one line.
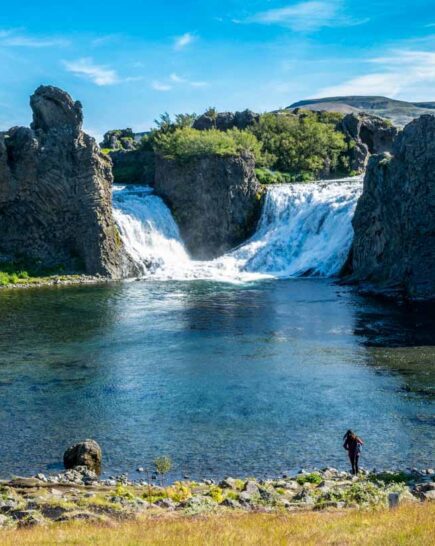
[[399, 70], [179, 79], [14, 38], [103, 40], [86, 68], [306, 16], [176, 80], [182, 41], [160, 86]]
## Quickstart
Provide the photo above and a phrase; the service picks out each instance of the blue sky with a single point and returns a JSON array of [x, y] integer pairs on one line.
[[130, 61]]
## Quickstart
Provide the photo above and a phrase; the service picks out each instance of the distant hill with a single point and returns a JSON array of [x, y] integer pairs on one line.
[[400, 112]]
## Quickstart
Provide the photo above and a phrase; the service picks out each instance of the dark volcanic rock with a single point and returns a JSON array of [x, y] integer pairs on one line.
[[55, 191], [226, 120], [394, 222], [87, 453], [215, 200], [370, 135], [133, 167]]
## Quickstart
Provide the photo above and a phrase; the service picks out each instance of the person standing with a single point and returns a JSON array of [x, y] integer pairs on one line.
[[352, 443]]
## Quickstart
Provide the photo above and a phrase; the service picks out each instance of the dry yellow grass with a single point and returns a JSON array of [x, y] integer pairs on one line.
[[411, 524]]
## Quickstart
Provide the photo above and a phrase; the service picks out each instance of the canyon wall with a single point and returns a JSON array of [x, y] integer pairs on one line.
[[55, 192], [394, 222]]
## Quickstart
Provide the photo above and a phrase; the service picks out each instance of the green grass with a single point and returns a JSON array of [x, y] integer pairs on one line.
[[21, 272]]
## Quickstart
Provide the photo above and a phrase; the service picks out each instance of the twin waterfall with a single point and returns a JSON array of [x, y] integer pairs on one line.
[[304, 230]]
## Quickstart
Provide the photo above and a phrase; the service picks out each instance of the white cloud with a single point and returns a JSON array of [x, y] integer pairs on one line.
[[183, 41], [400, 70], [11, 38], [307, 16], [160, 86], [179, 79], [86, 68]]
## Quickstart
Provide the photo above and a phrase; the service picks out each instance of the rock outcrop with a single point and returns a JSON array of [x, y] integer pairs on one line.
[[55, 191], [84, 454], [215, 200], [394, 222], [133, 166], [369, 135], [223, 121]]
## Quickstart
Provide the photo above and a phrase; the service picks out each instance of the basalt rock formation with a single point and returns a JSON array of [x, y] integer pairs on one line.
[[369, 135], [394, 222], [226, 120], [215, 200], [55, 191]]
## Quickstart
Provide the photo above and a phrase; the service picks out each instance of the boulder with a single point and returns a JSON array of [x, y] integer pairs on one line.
[[215, 200], [251, 487], [87, 453], [394, 245], [55, 192]]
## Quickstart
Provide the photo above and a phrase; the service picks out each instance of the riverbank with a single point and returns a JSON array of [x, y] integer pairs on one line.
[[52, 280], [408, 524], [77, 495]]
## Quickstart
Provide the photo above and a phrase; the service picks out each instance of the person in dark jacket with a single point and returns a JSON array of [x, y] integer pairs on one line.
[[352, 443]]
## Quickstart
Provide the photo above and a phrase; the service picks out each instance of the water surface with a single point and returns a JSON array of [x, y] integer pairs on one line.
[[252, 379]]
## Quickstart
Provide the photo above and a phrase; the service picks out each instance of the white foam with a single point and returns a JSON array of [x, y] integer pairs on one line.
[[305, 229]]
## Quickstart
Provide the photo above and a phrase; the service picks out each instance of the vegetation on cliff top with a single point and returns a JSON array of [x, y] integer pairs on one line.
[[302, 146], [185, 143], [287, 146]]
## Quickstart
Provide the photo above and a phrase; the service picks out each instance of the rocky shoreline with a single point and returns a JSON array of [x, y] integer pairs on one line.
[[78, 494]]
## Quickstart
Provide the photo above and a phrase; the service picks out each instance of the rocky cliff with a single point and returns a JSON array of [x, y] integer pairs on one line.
[[215, 200], [223, 121], [55, 191], [368, 135], [394, 222]]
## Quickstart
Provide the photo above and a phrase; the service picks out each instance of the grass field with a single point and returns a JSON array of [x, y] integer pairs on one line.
[[408, 524]]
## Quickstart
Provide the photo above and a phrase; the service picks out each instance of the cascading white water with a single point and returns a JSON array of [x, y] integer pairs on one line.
[[148, 230], [305, 229]]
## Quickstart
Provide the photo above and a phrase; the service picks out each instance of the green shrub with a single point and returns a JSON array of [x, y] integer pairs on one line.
[[266, 176], [301, 145], [186, 143], [314, 477], [216, 494]]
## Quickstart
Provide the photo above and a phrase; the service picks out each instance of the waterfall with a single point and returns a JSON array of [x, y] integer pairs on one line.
[[304, 230]]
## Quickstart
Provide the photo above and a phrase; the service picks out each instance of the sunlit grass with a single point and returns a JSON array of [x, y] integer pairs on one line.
[[409, 524]]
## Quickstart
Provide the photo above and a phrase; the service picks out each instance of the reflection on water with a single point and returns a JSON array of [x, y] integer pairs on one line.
[[254, 379]]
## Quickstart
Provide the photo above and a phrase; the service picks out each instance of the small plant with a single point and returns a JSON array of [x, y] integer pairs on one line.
[[179, 492], [314, 478], [162, 465], [122, 491], [216, 494]]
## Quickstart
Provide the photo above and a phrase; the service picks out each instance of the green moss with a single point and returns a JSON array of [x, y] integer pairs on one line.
[[391, 477]]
